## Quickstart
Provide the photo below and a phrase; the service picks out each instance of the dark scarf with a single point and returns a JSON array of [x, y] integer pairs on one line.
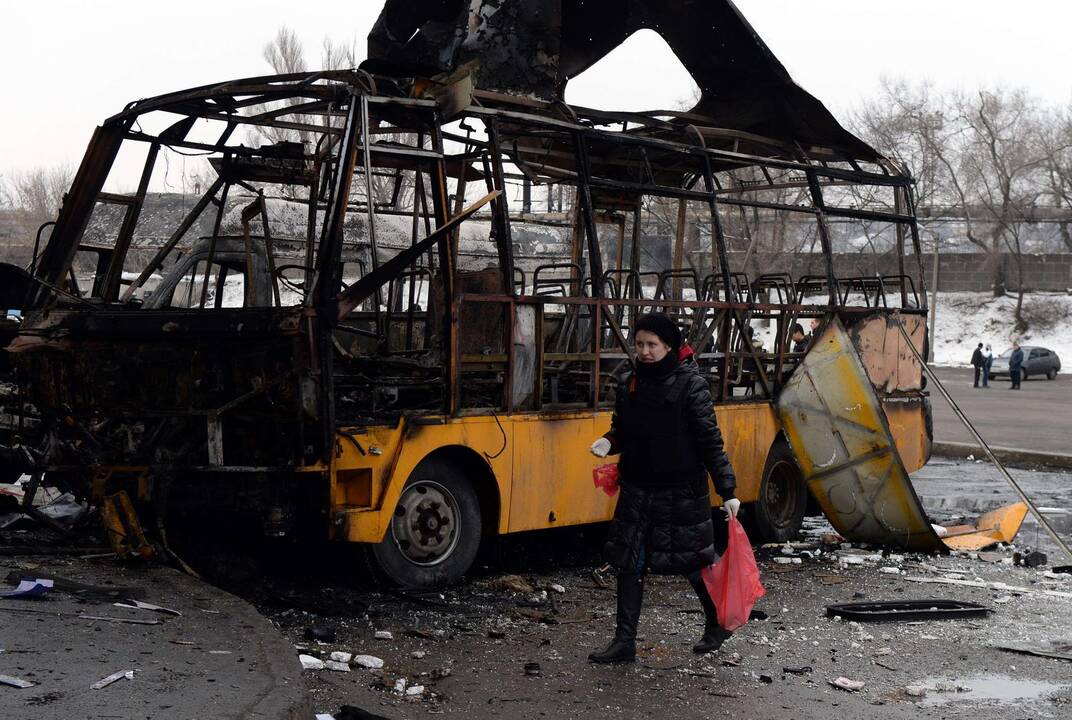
[[656, 370]]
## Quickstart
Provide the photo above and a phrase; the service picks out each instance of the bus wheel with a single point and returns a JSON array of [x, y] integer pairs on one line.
[[778, 513], [435, 530]]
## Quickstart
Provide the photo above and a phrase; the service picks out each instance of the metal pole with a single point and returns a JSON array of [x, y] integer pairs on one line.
[[986, 448], [933, 310]]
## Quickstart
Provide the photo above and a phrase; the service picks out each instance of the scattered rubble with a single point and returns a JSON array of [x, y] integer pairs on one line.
[[844, 683], [308, 662], [368, 661]]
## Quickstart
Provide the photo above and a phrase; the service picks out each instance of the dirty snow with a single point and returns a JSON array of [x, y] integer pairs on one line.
[[964, 319]]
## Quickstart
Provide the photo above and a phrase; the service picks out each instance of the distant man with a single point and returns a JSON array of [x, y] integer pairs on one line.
[[977, 363], [800, 340], [988, 362], [1016, 364]]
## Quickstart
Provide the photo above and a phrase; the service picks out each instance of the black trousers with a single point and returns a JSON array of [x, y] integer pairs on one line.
[[1015, 376], [978, 372]]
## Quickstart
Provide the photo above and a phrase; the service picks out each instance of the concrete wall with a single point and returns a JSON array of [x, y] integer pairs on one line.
[[956, 271]]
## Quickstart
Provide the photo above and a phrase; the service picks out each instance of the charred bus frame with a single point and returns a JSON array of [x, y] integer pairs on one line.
[[272, 371]]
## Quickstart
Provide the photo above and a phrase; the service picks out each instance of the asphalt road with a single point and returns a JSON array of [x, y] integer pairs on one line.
[[1037, 417]]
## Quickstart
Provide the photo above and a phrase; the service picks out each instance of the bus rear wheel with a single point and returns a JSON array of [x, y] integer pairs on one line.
[[778, 513], [435, 530]]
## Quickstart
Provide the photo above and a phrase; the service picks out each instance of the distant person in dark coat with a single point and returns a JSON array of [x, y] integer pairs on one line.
[[977, 363], [1016, 365], [988, 362], [800, 340], [665, 430]]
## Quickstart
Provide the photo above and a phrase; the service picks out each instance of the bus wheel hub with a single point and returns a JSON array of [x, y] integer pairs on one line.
[[424, 524]]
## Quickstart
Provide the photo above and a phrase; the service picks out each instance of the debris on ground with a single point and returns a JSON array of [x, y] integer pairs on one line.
[[916, 691], [368, 661], [907, 610], [384, 635], [533, 669], [342, 657], [15, 682], [308, 662], [114, 677], [337, 666], [28, 589], [101, 593], [139, 605], [1029, 558], [1057, 649], [320, 633], [513, 583], [844, 683], [352, 712]]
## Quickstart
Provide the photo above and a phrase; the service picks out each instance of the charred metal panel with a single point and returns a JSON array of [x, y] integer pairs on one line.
[[515, 41], [839, 433], [534, 47], [158, 387]]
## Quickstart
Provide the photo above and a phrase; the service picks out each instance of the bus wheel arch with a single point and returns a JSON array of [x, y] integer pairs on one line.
[[449, 501], [779, 510]]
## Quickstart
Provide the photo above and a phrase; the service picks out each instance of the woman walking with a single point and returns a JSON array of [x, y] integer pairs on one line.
[[665, 429]]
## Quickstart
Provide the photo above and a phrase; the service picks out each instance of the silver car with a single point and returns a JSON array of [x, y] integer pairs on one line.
[[1038, 361]]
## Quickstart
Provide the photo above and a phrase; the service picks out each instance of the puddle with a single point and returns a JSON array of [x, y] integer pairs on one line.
[[985, 689]]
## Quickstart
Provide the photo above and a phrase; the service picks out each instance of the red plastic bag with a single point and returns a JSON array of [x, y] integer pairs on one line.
[[605, 478], [733, 581]]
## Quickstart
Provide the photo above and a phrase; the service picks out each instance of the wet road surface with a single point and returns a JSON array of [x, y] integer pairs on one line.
[[1037, 417]]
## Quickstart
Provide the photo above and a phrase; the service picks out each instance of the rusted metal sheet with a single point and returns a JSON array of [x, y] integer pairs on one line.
[[890, 365], [910, 424], [841, 434], [996, 526], [842, 440]]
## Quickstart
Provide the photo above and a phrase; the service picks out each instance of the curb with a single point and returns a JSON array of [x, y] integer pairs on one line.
[[1017, 457]]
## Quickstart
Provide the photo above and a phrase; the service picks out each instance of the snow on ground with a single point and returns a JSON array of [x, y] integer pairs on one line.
[[964, 319]]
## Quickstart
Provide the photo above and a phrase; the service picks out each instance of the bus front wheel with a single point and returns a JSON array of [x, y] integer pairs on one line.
[[435, 530], [778, 513]]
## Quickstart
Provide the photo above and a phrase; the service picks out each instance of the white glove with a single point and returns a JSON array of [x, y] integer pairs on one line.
[[600, 447], [731, 507]]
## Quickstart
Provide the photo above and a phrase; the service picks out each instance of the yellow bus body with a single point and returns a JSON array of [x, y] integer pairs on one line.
[[540, 463]]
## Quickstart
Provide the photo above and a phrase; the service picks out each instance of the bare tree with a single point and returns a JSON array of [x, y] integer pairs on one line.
[[337, 56], [1002, 161], [1056, 145], [285, 52], [30, 199], [36, 194]]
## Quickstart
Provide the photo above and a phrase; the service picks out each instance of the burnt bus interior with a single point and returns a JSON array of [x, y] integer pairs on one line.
[[398, 284]]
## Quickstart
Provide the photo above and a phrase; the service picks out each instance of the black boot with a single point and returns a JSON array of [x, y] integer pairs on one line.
[[714, 634], [623, 647]]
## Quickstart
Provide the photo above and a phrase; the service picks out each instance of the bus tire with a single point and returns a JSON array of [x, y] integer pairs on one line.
[[434, 532], [778, 512]]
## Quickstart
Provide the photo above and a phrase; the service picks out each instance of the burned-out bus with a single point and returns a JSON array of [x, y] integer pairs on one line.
[[400, 365]]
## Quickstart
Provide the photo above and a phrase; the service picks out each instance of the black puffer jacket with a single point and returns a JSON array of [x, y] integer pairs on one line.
[[666, 432]]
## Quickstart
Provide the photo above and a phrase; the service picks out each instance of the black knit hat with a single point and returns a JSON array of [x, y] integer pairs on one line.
[[661, 325]]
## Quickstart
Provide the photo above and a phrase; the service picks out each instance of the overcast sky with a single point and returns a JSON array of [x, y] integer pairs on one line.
[[69, 64]]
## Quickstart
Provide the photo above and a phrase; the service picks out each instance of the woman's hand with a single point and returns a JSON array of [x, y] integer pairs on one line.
[[731, 507], [600, 447]]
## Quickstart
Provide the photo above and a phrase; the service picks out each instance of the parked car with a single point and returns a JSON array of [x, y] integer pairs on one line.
[[1038, 361]]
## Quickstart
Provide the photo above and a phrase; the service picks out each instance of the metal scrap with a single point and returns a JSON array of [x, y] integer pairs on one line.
[[114, 677]]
